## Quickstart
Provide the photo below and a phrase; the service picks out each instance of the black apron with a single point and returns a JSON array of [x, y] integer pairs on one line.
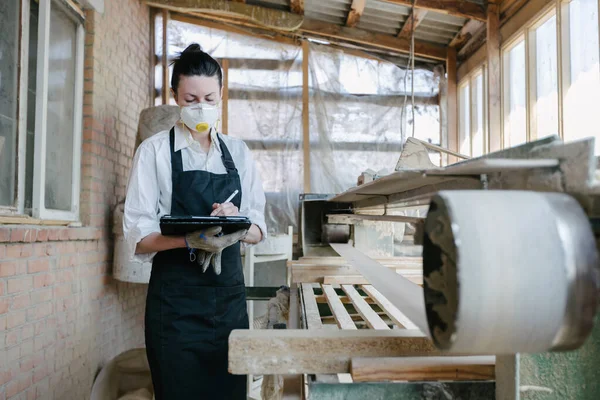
[[190, 314]]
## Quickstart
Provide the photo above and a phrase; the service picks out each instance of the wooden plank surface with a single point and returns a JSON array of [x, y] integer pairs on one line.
[[423, 368], [452, 108], [353, 218], [410, 262], [323, 351], [311, 310], [494, 83], [316, 274], [398, 290], [392, 311], [462, 9], [373, 320], [412, 22], [342, 318], [356, 10]]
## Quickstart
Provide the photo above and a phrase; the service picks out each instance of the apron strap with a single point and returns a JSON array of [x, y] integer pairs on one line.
[[176, 163], [226, 157]]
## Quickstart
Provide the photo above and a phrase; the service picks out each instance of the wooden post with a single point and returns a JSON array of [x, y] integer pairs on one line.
[[225, 99], [165, 63], [452, 109], [305, 119], [494, 78], [152, 56]]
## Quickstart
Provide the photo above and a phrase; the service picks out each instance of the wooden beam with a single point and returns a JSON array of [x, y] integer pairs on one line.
[[356, 10], [305, 117], [261, 16], [457, 8], [452, 99], [165, 49], [311, 310], [494, 85], [324, 351], [392, 311], [373, 320], [225, 100], [342, 318], [466, 33], [412, 22], [395, 262], [401, 292], [297, 6], [371, 39], [475, 368], [508, 8], [303, 274], [477, 40], [353, 218]]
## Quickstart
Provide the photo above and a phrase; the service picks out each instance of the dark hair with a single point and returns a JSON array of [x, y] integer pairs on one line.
[[193, 61]]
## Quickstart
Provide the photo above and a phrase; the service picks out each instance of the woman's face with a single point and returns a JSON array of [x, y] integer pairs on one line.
[[198, 89]]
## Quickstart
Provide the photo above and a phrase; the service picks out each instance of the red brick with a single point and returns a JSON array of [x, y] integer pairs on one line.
[[12, 338], [5, 376], [4, 234], [16, 285], [40, 265], [54, 234], [27, 332], [40, 373], [8, 268], [41, 296], [2, 289], [62, 291], [15, 319], [20, 302], [66, 276], [4, 306], [23, 235], [42, 235], [39, 312], [64, 234], [42, 280]]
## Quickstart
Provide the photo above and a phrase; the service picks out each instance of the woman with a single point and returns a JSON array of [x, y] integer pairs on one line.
[[189, 170]]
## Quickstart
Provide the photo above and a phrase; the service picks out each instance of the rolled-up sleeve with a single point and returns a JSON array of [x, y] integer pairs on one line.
[[141, 204], [253, 195]]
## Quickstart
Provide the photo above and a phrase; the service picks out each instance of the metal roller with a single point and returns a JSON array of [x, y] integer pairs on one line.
[[508, 272]]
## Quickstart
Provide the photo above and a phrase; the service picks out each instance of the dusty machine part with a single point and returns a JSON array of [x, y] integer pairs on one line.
[[508, 272]]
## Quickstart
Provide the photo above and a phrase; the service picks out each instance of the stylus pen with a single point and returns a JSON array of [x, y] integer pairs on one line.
[[231, 197]]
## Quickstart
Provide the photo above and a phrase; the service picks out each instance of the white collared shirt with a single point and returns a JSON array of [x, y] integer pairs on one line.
[[150, 184]]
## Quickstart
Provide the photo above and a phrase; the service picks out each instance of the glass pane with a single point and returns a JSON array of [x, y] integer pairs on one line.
[[9, 60], [61, 111], [515, 118], [478, 128], [546, 106], [464, 121], [582, 93], [31, 96]]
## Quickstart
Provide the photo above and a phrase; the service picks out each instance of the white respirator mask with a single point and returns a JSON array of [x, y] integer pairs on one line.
[[200, 117]]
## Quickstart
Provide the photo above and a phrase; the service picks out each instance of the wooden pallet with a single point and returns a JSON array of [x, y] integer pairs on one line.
[[354, 307]]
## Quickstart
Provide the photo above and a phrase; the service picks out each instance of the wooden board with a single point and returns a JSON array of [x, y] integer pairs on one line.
[[342, 318], [392, 311], [317, 274], [405, 295], [397, 262], [373, 320], [423, 369], [353, 218], [311, 310], [322, 351]]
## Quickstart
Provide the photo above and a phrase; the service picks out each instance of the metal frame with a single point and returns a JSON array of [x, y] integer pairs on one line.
[[38, 205], [39, 172]]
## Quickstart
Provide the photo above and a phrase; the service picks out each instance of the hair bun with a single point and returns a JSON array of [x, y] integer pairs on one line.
[[192, 48]]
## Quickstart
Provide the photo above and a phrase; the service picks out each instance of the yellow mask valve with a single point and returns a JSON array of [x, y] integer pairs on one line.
[[202, 126]]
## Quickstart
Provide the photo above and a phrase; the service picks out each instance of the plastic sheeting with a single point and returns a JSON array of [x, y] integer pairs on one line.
[[355, 112]]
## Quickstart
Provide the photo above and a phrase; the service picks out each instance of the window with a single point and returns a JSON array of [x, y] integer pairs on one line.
[[472, 108], [544, 66], [581, 70], [515, 95], [47, 131], [551, 76]]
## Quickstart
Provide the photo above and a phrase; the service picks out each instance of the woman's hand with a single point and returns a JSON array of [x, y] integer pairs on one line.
[[224, 209]]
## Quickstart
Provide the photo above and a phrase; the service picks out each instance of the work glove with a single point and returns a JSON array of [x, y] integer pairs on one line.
[[212, 245]]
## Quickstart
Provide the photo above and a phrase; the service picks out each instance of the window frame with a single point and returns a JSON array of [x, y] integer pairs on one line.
[[39, 209], [468, 80]]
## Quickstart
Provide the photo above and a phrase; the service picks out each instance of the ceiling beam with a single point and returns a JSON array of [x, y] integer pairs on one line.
[[356, 10], [458, 8], [412, 22], [370, 39], [260, 16], [297, 6], [469, 29]]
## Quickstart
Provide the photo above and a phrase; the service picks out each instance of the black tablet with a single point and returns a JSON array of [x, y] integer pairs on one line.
[[180, 225]]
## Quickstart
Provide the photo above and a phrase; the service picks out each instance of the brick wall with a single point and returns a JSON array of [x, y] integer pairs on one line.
[[62, 316]]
